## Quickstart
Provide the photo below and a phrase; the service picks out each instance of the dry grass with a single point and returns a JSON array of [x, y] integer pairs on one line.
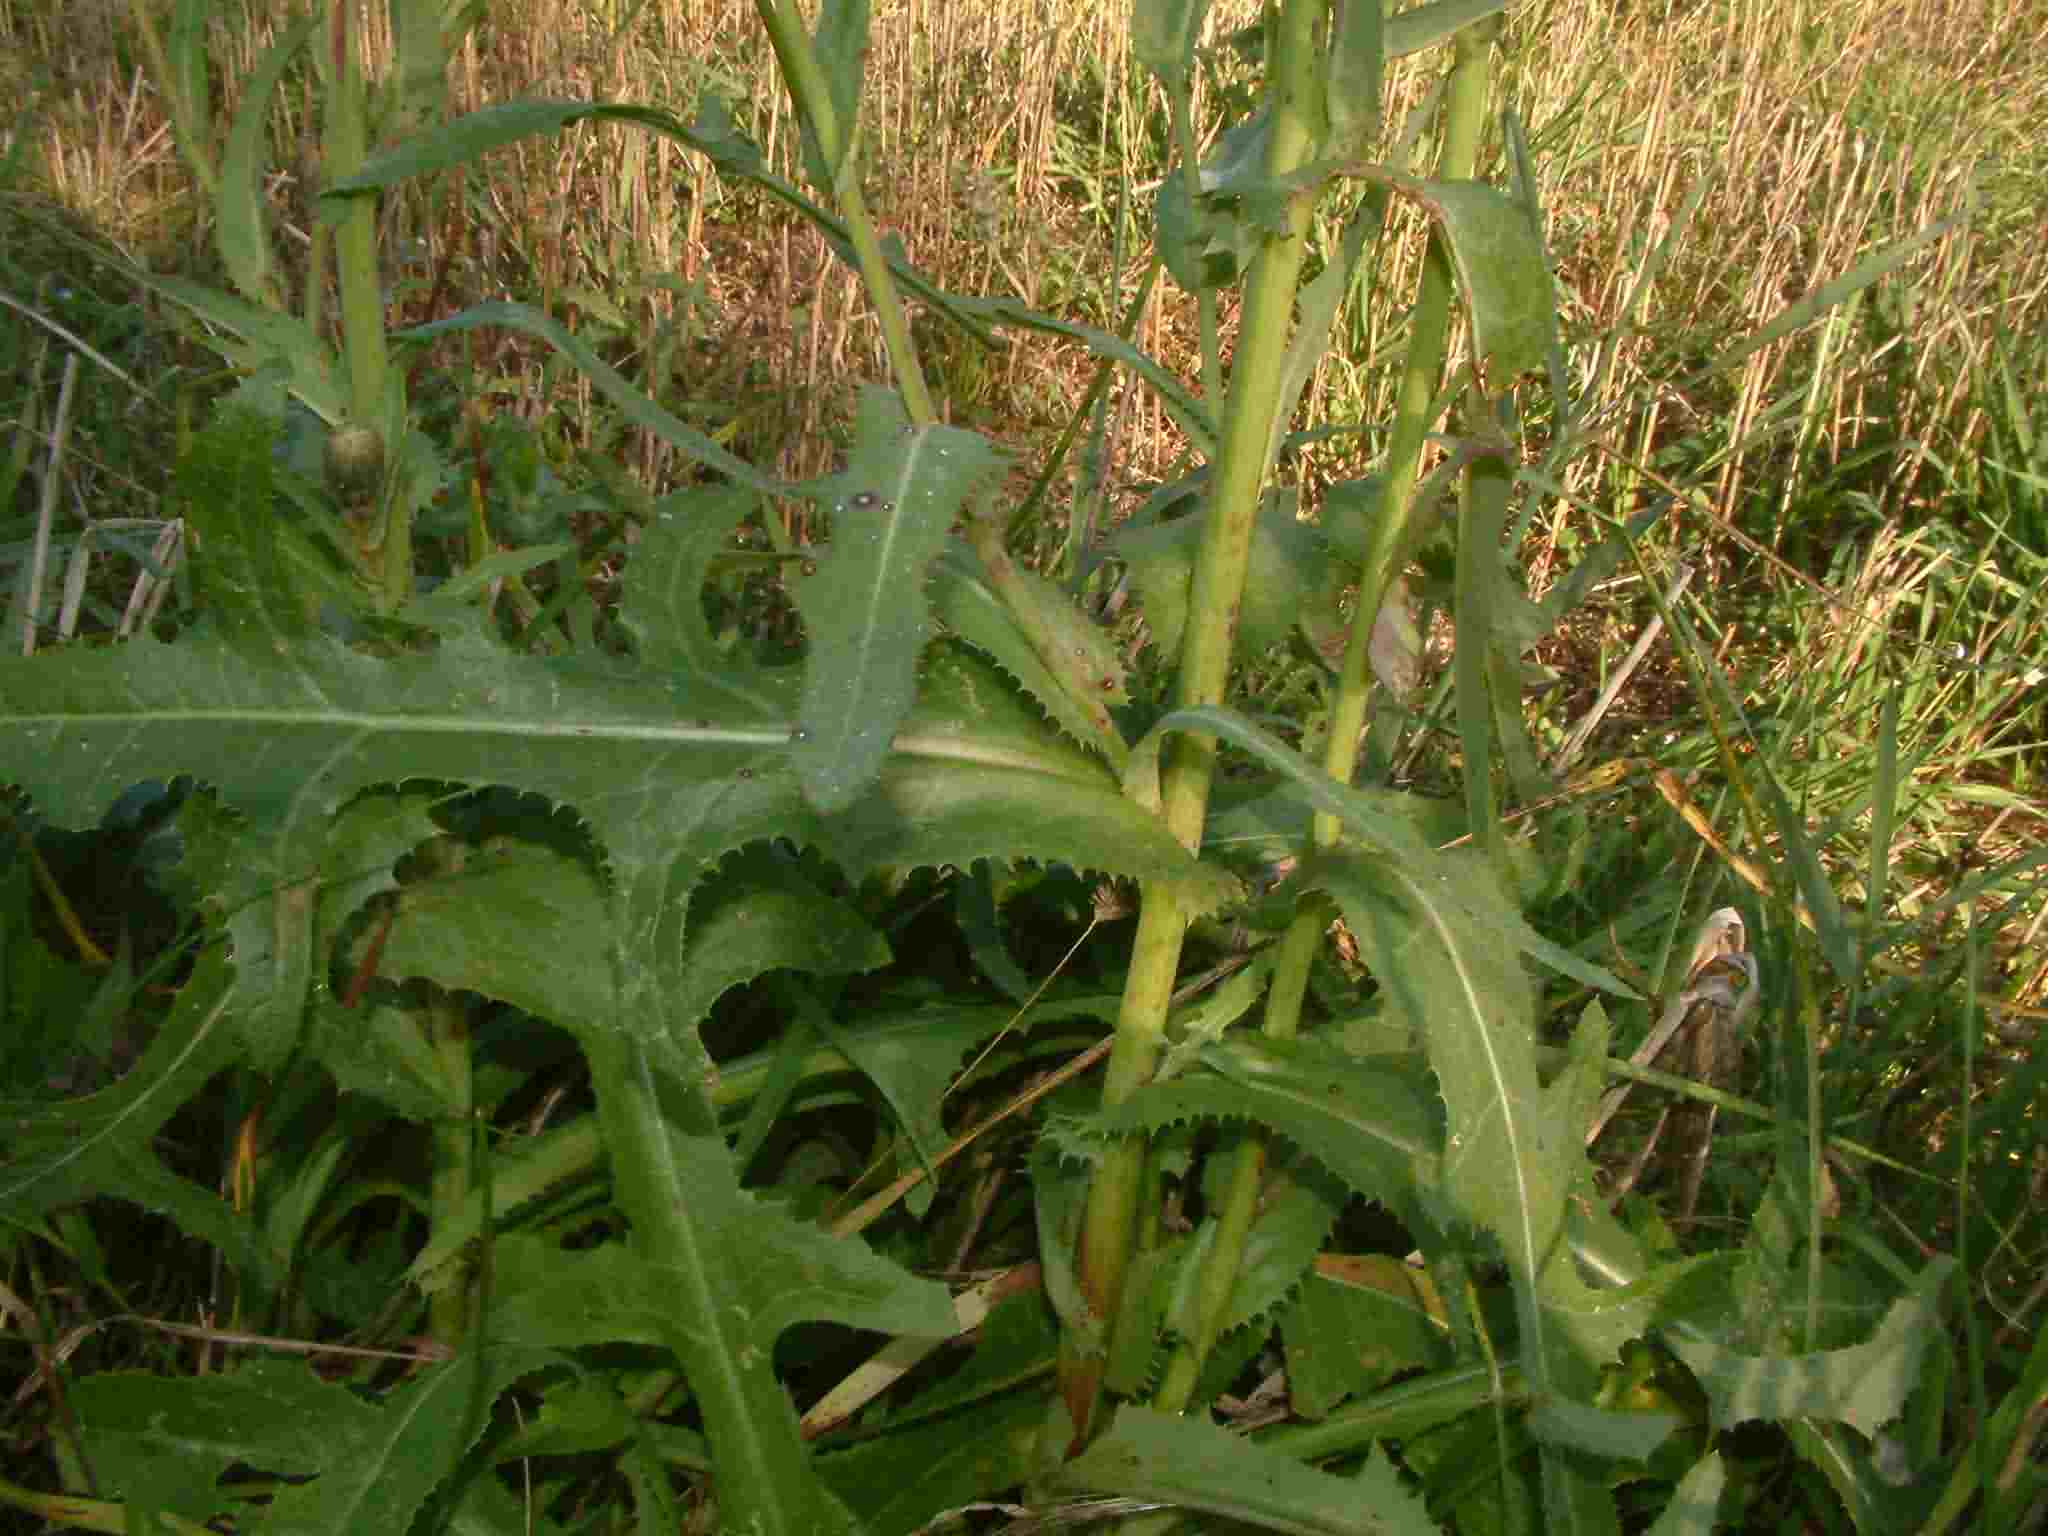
[[996, 136]]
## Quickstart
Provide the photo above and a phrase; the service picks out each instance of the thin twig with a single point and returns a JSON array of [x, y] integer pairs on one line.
[[60, 432], [1575, 740]]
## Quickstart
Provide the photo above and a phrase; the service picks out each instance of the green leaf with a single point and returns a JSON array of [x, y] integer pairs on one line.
[[631, 401], [1074, 653], [1356, 69], [1197, 1465], [900, 1481], [1510, 1163], [663, 605], [1470, 1000], [1366, 1124], [517, 922], [841, 50], [1498, 253], [103, 1144], [241, 233], [378, 1471], [1863, 1385], [1292, 1224], [1163, 34], [1694, 1509], [1288, 561], [550, 1297], [1358, 1322], [864, 607], [260, 338], [223, 483], [190, 87], [1364, 818], [701, 1254], [1424, 26], [1600, 1432], [965, 602], [762, 915], [166, 1441], [912, 1057]]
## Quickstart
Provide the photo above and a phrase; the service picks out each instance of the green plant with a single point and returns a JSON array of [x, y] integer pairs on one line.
[[384, 852]]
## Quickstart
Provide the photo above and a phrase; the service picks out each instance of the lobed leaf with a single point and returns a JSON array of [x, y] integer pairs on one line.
[[1863, 1385], [1193, 1464]]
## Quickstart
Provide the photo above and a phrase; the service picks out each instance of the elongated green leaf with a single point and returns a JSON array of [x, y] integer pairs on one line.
[[710, 133], [1470, 1000], [1494, 244], [1163, 34], [1424, 26], [632, 403], [378, 1473], [697, 1240], [225, 484], [864, 607], [1863, 1385], [664, 606], [190, 88], [1365, 1124], [555, 1298], [241, 233], [1073, 651], [841, 50], [1694, 1509], [260, 338], [1509, 1164], [1357, 68], [1197, 1465], [1369, 822], [1358, 1322], [967, 605]]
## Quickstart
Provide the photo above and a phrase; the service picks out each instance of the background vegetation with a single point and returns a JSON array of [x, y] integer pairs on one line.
[[1800, 274]]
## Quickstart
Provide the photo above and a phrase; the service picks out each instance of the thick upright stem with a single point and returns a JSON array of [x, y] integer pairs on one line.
[[1255, 380], [1464, 119], [386, 557], [1303, 938]]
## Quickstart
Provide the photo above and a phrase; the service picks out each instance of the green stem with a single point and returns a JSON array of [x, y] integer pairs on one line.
[[1255, 381], [386, 563], [1303, 939], [1464, 119]]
